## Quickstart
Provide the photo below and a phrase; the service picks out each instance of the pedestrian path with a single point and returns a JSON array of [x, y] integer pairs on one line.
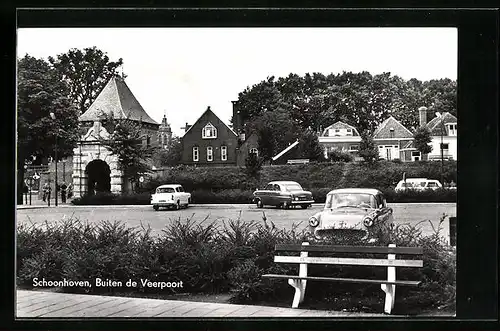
[[39, 304]]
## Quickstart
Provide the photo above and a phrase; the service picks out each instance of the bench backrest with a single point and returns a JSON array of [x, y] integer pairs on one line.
[[383, 261]]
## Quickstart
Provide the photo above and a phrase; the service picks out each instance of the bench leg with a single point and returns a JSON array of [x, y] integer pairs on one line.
[[390, 289], [390, 294], [300, 284], [300, 290]]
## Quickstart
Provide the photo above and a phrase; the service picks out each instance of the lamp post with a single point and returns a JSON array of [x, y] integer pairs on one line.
[[441, 118], [53, 116]]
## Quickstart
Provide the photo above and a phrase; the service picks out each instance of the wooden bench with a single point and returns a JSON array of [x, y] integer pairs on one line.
[[389, 261]]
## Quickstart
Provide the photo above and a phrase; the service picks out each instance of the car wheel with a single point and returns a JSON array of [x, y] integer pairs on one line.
[[304, 206], [178, 205], [155, 207], [286, 205], [259, 204], [186, 205]]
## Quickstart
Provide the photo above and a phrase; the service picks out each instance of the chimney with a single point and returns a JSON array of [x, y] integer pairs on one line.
[[422, 113], [236, 118]]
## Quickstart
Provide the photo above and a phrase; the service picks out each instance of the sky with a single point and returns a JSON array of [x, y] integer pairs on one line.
[[181, 71]]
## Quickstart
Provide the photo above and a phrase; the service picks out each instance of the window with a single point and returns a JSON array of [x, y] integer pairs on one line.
[[391, 132], [452, 129], [349, 132], [415, 156], [196, 154], [445, 146], [209, 132], [148, 141], [223, 153], [353, 148], [270, 187], [254, 151], [210, 154]]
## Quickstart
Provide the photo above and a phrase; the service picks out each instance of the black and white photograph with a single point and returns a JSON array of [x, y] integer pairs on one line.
[[223, 172]]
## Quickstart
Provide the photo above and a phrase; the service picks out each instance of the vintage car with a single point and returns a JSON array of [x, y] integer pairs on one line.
[[418, 184], [358, 213], [284, 194], [170, 196]]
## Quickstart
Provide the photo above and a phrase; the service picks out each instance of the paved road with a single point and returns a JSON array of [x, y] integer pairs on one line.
[[136, 215]]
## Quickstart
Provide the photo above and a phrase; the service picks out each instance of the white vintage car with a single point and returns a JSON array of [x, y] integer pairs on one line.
[[170, 196]]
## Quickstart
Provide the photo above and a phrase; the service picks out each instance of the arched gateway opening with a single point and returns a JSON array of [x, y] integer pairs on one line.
[[98, 174]]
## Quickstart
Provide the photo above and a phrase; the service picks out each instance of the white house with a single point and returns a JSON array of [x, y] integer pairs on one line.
[[443, 128]]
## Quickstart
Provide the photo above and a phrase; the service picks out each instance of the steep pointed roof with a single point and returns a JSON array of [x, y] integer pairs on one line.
[[383, 130], [435, 124], [117, 100], [210, 111]]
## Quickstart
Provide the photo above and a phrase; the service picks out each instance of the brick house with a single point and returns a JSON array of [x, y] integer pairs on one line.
[[393, 140], [210, 142]]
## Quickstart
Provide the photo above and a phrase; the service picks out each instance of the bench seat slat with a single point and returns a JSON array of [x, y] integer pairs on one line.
[[349, 261], [347, 280], [350, 249]]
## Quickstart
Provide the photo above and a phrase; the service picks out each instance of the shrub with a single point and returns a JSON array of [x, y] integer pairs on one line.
[[339, 156], [232, 258]]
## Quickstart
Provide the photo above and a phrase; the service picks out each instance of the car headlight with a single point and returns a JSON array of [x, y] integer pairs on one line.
[[296, 198], [313, 221], [368, 221]]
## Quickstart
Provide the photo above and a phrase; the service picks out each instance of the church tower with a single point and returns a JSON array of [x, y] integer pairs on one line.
[[164, 133]]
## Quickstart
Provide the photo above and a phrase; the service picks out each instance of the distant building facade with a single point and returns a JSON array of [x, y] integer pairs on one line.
[[210, 142]]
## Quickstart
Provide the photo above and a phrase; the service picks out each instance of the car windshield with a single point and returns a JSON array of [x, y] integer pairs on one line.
[[406, 184], [292, 187], [165, 190], [358, 200]]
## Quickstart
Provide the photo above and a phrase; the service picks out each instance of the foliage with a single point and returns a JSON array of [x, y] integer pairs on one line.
[[253, 165], [170, 156], [86, 72], [275, 131], [339, 156], [39, 93], [367, 148], [309, 147], [213, 259], [127, 143], [422, 140], [361, 99]]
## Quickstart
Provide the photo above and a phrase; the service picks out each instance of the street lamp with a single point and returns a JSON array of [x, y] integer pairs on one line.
[[53, 116], [441, 118]]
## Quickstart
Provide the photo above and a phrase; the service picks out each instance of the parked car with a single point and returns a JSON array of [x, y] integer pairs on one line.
[[170, 196], [284, 194], [359, 213], [418, 184]]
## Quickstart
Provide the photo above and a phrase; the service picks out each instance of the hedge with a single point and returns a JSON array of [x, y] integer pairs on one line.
[[221, 258], [382, 175], [236, 196]]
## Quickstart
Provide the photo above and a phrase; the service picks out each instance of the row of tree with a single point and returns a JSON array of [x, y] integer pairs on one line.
[[285, 109]]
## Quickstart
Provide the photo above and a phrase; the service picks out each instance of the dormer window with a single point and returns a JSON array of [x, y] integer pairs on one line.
[[209, 132], [452, 129], [391, 132]]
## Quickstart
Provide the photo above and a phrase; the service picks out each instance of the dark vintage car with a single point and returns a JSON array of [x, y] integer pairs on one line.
[[358, 213], [284, 194]]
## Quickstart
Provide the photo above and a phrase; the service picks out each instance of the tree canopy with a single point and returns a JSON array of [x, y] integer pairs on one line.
[[86, 73], [40, 93]]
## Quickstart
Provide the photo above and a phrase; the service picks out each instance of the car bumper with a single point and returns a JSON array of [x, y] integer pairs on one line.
[[302, 202], [164, 203]]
